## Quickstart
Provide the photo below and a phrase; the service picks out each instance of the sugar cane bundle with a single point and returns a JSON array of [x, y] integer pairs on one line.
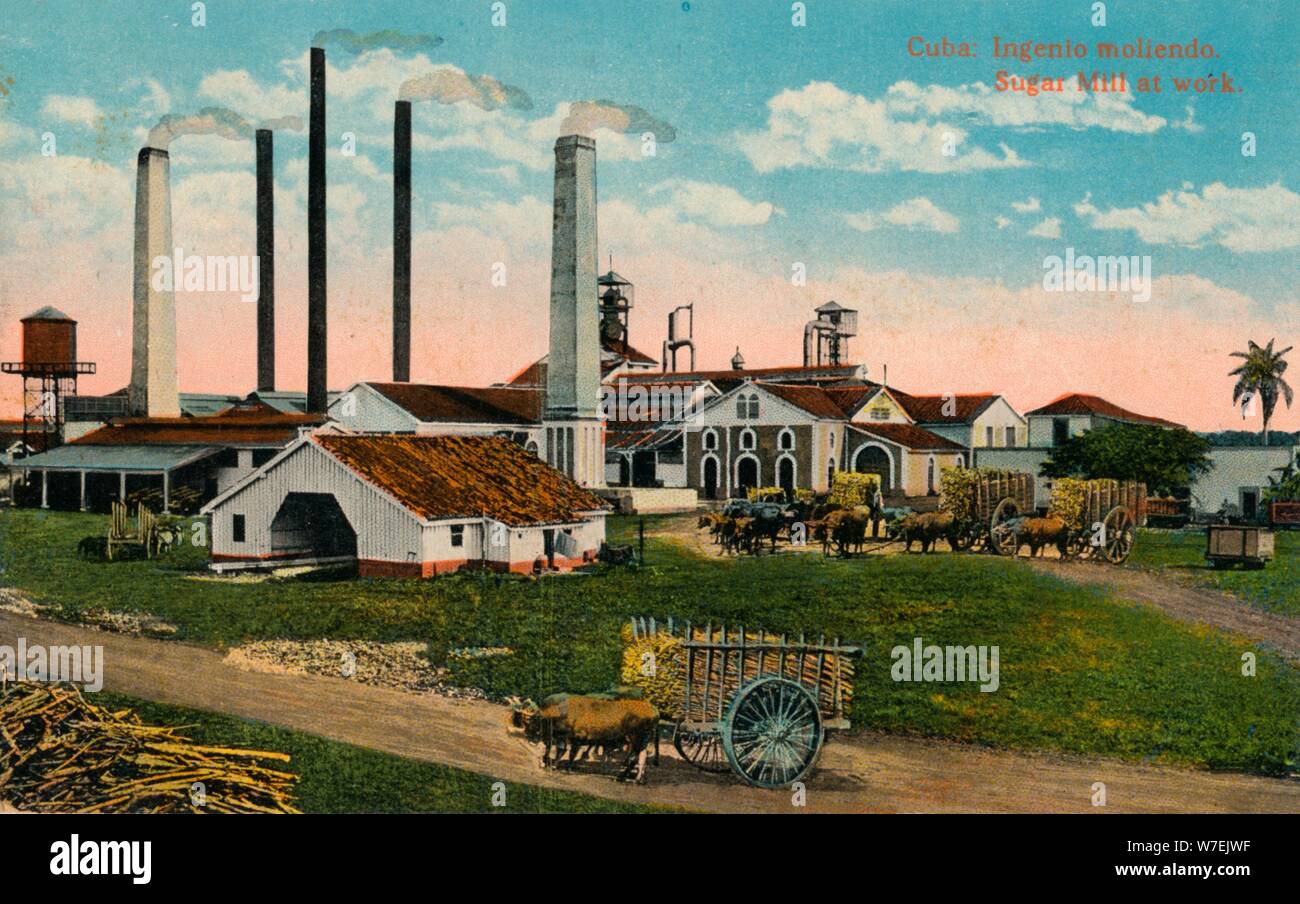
[[850, 488], [1070, 500], [655, 663], [60, 753]]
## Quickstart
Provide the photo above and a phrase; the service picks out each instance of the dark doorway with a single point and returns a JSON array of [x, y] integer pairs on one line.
[[1249, 505], [710, 478], [785, 476], [1060, 430], [548, 547], [746, 476], [874, 460], [312, 524], [624, 472], [643, 469]]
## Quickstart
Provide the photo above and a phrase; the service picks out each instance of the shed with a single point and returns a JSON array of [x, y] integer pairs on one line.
[[406, 506]]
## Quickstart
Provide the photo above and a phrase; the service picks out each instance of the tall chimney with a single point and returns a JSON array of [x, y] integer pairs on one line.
[[265, 261], [402, 242], [574, 442], [153, 391], [317, 394]]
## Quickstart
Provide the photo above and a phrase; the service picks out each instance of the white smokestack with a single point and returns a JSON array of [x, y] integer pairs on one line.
[[153, 390], [574, 442]]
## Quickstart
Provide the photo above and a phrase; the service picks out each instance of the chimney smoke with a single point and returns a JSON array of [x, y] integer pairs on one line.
[[317, 393], [266, 261], [402, 242], [153, 391]]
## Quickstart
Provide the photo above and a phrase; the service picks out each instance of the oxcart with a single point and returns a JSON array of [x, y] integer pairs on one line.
[[984, 502], [1102, 517], [754, 703]]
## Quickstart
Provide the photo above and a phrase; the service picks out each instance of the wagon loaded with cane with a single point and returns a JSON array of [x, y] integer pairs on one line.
[[983, 501], [743, 700], [1102, 517]]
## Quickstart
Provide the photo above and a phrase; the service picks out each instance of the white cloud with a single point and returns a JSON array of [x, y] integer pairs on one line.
[[1002, 222], [76, 109], [1032, 205], [238, 90], [1049, 228], [822, 125], [914, 213], [12, 134], [720, 205], [1239, 219]]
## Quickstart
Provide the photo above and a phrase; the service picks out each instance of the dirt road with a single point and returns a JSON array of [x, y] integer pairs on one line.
[[1189, 604], [864, 772]]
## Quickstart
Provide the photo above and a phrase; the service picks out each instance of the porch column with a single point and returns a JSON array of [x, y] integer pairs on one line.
[[167, 489], [83, 490], [45, 488], [121, 487]]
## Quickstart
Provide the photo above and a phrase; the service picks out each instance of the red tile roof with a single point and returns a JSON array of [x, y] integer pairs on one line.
[[851, 398], [463, 477], [929, 409], [254, 426], [911, 436], [613, 355], [465, 404], [812, 399], [1078, 403]]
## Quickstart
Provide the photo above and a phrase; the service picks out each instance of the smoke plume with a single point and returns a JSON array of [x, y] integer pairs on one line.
[[448, 85], [348, 40], [208, 121], [586, 116]]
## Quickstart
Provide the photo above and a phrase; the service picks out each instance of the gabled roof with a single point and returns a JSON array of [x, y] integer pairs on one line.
[[909, 435], [613, 354], [438, 477], [257, 426], [1078, 403], [932, 409], [851, 398], [465, 404], [812, 399]]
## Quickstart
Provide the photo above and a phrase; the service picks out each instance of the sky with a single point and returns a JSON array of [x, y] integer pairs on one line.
[[905, 186]]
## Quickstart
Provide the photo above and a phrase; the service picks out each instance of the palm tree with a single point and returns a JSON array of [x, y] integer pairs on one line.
[[1261, 377]]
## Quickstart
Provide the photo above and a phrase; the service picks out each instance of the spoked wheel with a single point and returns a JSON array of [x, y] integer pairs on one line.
[[1001, 537], [701, 748], [1119, 535], [772, 733]]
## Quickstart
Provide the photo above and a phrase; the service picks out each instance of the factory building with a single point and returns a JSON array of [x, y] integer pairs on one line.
[[407, 506]]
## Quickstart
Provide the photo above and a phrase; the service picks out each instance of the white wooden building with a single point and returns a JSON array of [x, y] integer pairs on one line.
[[407, 506]]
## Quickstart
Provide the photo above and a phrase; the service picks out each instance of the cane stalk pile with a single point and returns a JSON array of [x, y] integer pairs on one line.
[[60, 753], [1070, 500], [851, 488]]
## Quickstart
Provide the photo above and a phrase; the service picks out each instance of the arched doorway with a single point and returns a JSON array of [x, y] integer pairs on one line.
[[785, 476], [710, 478], [312, 524], [874, 460], [746, 475]]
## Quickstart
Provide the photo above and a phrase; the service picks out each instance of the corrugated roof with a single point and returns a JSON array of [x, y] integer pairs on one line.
[[78, 457], [932, 409], [911, 436], [440, 477], [1079, 403], [258, 426], [465, 404]]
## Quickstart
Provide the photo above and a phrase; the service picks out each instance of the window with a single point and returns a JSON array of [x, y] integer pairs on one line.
[[753, 406], [929, 476], [1011, 437], [458, 535], [742, 407], [747, 439], [710, 440], [1060, 431], [237, 528], [262, 456], [988, 436], [832, 439], [786, 440], [747, 406]]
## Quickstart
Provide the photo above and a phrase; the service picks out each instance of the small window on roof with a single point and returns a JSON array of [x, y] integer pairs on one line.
[[458, 535]]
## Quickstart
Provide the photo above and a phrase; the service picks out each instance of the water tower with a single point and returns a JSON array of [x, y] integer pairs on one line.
[[49, 370], [616, 295], [826, 339]]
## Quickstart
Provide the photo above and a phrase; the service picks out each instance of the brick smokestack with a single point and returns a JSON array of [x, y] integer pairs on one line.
[[317, 394], [265, 261], [402, 242], [153, 391], [574, 435]]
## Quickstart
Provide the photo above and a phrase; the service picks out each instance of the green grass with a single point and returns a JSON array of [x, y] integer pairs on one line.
[[334, 777], [1275, 587], [1079, 672]]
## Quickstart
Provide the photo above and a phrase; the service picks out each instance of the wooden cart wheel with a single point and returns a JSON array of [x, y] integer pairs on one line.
[[772, 732], [701, 748], [1002, 540], [1119, 535]]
